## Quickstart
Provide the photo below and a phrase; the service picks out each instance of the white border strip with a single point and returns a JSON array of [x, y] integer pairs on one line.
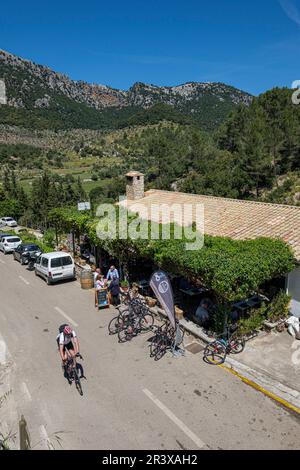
[[45, 437], [24, 280], [59, 310], [25, 391], [200, 444]]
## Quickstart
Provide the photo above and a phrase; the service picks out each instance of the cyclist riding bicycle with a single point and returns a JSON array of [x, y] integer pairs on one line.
[[67, 340]]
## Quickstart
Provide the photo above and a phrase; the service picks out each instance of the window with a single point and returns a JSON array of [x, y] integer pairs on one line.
[[31, 248], [56, 263], [12, 240], [66, 261], [44, 262]]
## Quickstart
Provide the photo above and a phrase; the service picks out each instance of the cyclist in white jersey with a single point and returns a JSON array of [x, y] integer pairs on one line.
[[67, 339]]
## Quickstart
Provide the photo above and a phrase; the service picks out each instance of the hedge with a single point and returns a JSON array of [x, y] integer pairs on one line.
[[233, 269]]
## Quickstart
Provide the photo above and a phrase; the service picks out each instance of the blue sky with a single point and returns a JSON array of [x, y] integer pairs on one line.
[[251, 44]]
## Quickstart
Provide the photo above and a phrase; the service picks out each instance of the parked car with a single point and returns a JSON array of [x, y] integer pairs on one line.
[[9, 221], [24, 251], [9, 244], [56, 266], [3, 235]]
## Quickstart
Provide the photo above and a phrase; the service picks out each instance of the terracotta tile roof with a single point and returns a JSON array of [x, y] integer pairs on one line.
[[236, 219]]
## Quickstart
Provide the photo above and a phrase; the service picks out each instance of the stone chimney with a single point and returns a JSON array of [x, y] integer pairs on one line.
[[134, 185]]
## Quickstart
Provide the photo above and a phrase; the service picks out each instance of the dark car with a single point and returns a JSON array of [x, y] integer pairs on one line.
[[23, 251]]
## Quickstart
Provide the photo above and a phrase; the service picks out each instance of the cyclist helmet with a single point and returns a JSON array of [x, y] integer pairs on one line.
[[67, 330]]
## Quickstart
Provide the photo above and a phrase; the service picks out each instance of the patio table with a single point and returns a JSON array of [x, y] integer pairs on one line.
[[193, 292]]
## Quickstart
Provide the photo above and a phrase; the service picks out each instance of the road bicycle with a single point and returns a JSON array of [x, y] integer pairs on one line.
[[135, 318], [130, 324], [227, 343], [71, 371], [166, 338]]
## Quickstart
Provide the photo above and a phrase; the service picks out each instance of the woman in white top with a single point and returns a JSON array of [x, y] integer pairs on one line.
[[99, 284]]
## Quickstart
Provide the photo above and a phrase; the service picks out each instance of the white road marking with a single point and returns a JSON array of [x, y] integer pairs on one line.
[[25, 391], [24, 280], [175, 420], [45, 437], [59, 310]]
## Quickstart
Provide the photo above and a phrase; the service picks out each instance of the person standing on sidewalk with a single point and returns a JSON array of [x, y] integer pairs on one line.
[[99, 284], [112, 272], [96, 273], [114, 289]]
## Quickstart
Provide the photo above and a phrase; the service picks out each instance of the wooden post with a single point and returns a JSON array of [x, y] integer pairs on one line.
[[56, 235], [73, 242]]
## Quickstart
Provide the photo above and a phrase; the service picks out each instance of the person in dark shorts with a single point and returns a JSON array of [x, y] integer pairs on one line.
[[67, 339], [114, 289]]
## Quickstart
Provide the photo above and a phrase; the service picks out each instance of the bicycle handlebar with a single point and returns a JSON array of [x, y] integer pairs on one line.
[[76, 355]]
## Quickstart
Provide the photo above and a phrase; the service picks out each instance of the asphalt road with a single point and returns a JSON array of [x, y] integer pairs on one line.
[[129, 401]]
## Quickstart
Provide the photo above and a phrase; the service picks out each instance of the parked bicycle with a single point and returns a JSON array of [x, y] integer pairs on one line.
[[71, 371], [135, 324], [166, 338], [227, 343], [134, 319]]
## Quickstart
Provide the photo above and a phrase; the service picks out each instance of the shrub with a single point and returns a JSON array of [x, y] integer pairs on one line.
[[276, 310], [219, 319], [279, 307], [254, 322], [27, 237], [49, 238]]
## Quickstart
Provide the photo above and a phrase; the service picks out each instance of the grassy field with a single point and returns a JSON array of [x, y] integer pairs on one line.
[[96, 154]]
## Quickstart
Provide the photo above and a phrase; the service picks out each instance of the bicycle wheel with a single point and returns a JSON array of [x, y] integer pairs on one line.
[[146, 322], [77, 381], [115, 325], [214, 353], [127, 331], [236, 345], [162, 348], [124, 315], [154, 344]]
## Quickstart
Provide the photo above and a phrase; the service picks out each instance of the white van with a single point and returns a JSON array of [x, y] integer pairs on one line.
[[55, 266], [9, 243]]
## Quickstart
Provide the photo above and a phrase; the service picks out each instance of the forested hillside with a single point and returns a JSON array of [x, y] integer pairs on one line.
[[254, 155]]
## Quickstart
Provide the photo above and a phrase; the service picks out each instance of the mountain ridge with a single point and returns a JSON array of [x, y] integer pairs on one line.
[[31, 86]]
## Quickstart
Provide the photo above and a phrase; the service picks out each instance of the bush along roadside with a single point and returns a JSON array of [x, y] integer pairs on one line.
[[277, 310], [279, 307], [28, 237]]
